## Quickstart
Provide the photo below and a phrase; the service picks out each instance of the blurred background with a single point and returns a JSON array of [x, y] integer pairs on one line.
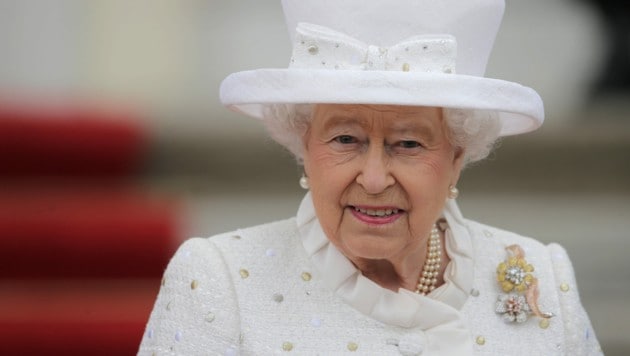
[[114, 148]]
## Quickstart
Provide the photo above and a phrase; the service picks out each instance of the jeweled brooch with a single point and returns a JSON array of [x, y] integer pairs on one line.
[[520, 287]]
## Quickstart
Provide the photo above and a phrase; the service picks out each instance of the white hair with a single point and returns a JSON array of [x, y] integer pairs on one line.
[[476, 131]]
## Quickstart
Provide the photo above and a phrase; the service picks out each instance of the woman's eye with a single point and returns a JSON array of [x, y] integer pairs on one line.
[[345, 139], [410, 144]]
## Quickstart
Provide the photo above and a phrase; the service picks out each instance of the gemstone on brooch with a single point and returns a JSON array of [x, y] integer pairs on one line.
[[515, 274], [520, 287], [513, 307]]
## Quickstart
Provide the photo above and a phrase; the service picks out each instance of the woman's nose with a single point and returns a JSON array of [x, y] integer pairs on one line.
[[375, 175]]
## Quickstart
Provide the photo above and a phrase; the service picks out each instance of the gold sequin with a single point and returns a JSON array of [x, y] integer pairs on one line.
[[405, 67], [194, 284], [480, 340], [244, 273], [352, 346], [564, 287], [306, 276], [287, 346], [543, 323]]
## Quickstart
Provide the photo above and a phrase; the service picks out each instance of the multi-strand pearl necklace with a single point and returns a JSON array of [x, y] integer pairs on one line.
[[431, 269]]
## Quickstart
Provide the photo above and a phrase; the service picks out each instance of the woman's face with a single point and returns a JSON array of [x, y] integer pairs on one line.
[[379, 176]]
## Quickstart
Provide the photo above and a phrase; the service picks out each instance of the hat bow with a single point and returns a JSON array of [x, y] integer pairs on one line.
[[321, 47]]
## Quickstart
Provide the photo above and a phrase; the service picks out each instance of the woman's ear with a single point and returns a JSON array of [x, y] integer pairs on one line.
[[304, 161], [304, 158], [458, 163]]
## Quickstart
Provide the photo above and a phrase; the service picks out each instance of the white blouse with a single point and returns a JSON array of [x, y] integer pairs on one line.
[[437, 314]]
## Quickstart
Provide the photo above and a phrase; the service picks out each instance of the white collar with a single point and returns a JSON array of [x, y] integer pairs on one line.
[[437, 314]]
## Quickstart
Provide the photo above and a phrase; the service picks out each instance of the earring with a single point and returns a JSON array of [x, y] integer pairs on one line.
[[453, 192], [304, 182]]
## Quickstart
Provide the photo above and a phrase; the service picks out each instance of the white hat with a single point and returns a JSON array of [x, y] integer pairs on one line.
[[397, 52]]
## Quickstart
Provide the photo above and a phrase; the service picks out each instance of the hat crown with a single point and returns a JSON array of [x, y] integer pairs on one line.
[[473, 23]]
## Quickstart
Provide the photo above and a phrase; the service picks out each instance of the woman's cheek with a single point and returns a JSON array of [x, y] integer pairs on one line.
[[329, 158], [433, 164]]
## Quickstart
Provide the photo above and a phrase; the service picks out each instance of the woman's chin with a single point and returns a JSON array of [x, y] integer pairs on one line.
[[373, 248]]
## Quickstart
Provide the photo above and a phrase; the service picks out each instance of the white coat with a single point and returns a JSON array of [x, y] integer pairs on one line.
[[283, 288]]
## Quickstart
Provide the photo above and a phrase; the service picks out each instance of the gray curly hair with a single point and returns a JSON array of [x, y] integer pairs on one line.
[[476, 131]]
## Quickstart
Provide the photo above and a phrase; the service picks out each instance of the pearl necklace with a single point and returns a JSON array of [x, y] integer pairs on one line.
[[431, 269]]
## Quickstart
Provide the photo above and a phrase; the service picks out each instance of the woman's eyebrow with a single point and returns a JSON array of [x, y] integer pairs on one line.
[[337, 120], [416, 127]]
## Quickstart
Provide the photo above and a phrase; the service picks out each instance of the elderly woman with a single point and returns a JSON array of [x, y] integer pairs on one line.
[[379, 259]]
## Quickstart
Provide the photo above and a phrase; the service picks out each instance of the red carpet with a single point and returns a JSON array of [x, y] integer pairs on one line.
[[79, 317], [82, 247], [61, 232]]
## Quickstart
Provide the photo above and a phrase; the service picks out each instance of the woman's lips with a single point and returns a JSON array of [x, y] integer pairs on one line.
[[376, 215]]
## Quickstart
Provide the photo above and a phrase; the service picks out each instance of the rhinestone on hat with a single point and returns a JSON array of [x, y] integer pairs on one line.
[[278, 298]]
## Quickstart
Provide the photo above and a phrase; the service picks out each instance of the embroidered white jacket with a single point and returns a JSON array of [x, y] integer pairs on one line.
[[283, 288]]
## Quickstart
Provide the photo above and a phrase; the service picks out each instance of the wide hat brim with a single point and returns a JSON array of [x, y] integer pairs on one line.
[[520, 108]]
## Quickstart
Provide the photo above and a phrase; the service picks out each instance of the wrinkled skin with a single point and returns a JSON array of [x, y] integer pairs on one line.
[[392, 161]]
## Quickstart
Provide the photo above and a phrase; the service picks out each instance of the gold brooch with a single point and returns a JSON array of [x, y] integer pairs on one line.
[[520, 287]]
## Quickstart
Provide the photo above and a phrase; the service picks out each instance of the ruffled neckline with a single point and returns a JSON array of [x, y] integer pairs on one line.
[[437, 313]]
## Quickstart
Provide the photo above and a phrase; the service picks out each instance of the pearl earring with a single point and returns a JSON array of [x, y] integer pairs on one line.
[[304, 182], [453, 192]]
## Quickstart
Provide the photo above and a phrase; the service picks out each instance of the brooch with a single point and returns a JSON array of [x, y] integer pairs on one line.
[[520, 287]]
